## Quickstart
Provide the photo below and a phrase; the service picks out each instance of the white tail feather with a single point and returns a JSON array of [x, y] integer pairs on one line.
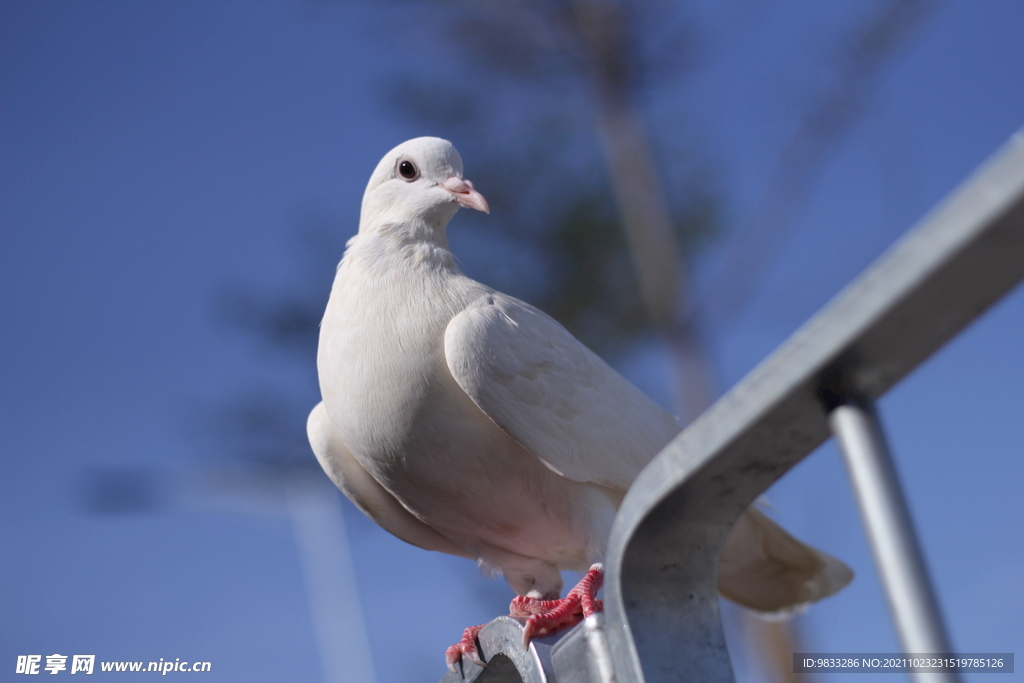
[[767, 570]]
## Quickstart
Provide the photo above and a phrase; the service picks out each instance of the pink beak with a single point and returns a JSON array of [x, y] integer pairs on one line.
[[463, 192]]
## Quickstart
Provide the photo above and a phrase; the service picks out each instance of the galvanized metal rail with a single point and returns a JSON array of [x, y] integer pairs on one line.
[[661, 620]]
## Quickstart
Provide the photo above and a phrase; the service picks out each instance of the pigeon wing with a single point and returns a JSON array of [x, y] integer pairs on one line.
[[553, 395]]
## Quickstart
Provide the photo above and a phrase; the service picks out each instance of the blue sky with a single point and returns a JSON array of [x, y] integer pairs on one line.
[[152, 154]]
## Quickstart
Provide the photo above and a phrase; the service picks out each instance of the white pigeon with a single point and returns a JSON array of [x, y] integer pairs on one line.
[[463, 420]]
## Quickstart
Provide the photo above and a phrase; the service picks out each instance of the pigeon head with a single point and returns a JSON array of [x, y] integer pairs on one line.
[[419, 182]]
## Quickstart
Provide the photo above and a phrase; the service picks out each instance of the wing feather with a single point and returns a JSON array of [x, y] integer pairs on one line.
[[553, 395]]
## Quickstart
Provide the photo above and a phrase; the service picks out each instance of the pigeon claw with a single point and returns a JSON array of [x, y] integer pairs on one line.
[[464, 648], [548, 616]]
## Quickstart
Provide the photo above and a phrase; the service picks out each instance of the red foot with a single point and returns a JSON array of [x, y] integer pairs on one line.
[[464, 648], [548, 616]]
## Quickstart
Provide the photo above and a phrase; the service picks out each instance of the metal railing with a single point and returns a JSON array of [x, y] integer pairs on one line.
[[661, 617]]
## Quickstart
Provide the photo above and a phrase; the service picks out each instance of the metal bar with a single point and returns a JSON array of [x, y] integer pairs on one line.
[[661, 601], [915, 610], [501, 646], [314, 506]]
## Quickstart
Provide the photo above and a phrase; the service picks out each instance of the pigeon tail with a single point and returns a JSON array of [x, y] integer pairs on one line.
[[765, 569]]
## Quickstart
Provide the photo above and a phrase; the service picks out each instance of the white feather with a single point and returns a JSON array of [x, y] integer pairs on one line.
[[554, 396]]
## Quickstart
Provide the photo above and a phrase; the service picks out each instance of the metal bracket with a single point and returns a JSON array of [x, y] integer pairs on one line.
[[579, 655], [661, 618]]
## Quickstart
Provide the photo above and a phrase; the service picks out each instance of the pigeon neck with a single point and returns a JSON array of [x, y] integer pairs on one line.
[[415, 231], [416, 242]]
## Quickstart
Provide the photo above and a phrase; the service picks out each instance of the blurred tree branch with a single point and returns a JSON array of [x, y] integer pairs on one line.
[[831, 114], [595, 219], [596, 42]]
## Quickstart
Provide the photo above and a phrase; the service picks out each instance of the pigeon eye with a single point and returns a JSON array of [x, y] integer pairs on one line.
[[408, 170]]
